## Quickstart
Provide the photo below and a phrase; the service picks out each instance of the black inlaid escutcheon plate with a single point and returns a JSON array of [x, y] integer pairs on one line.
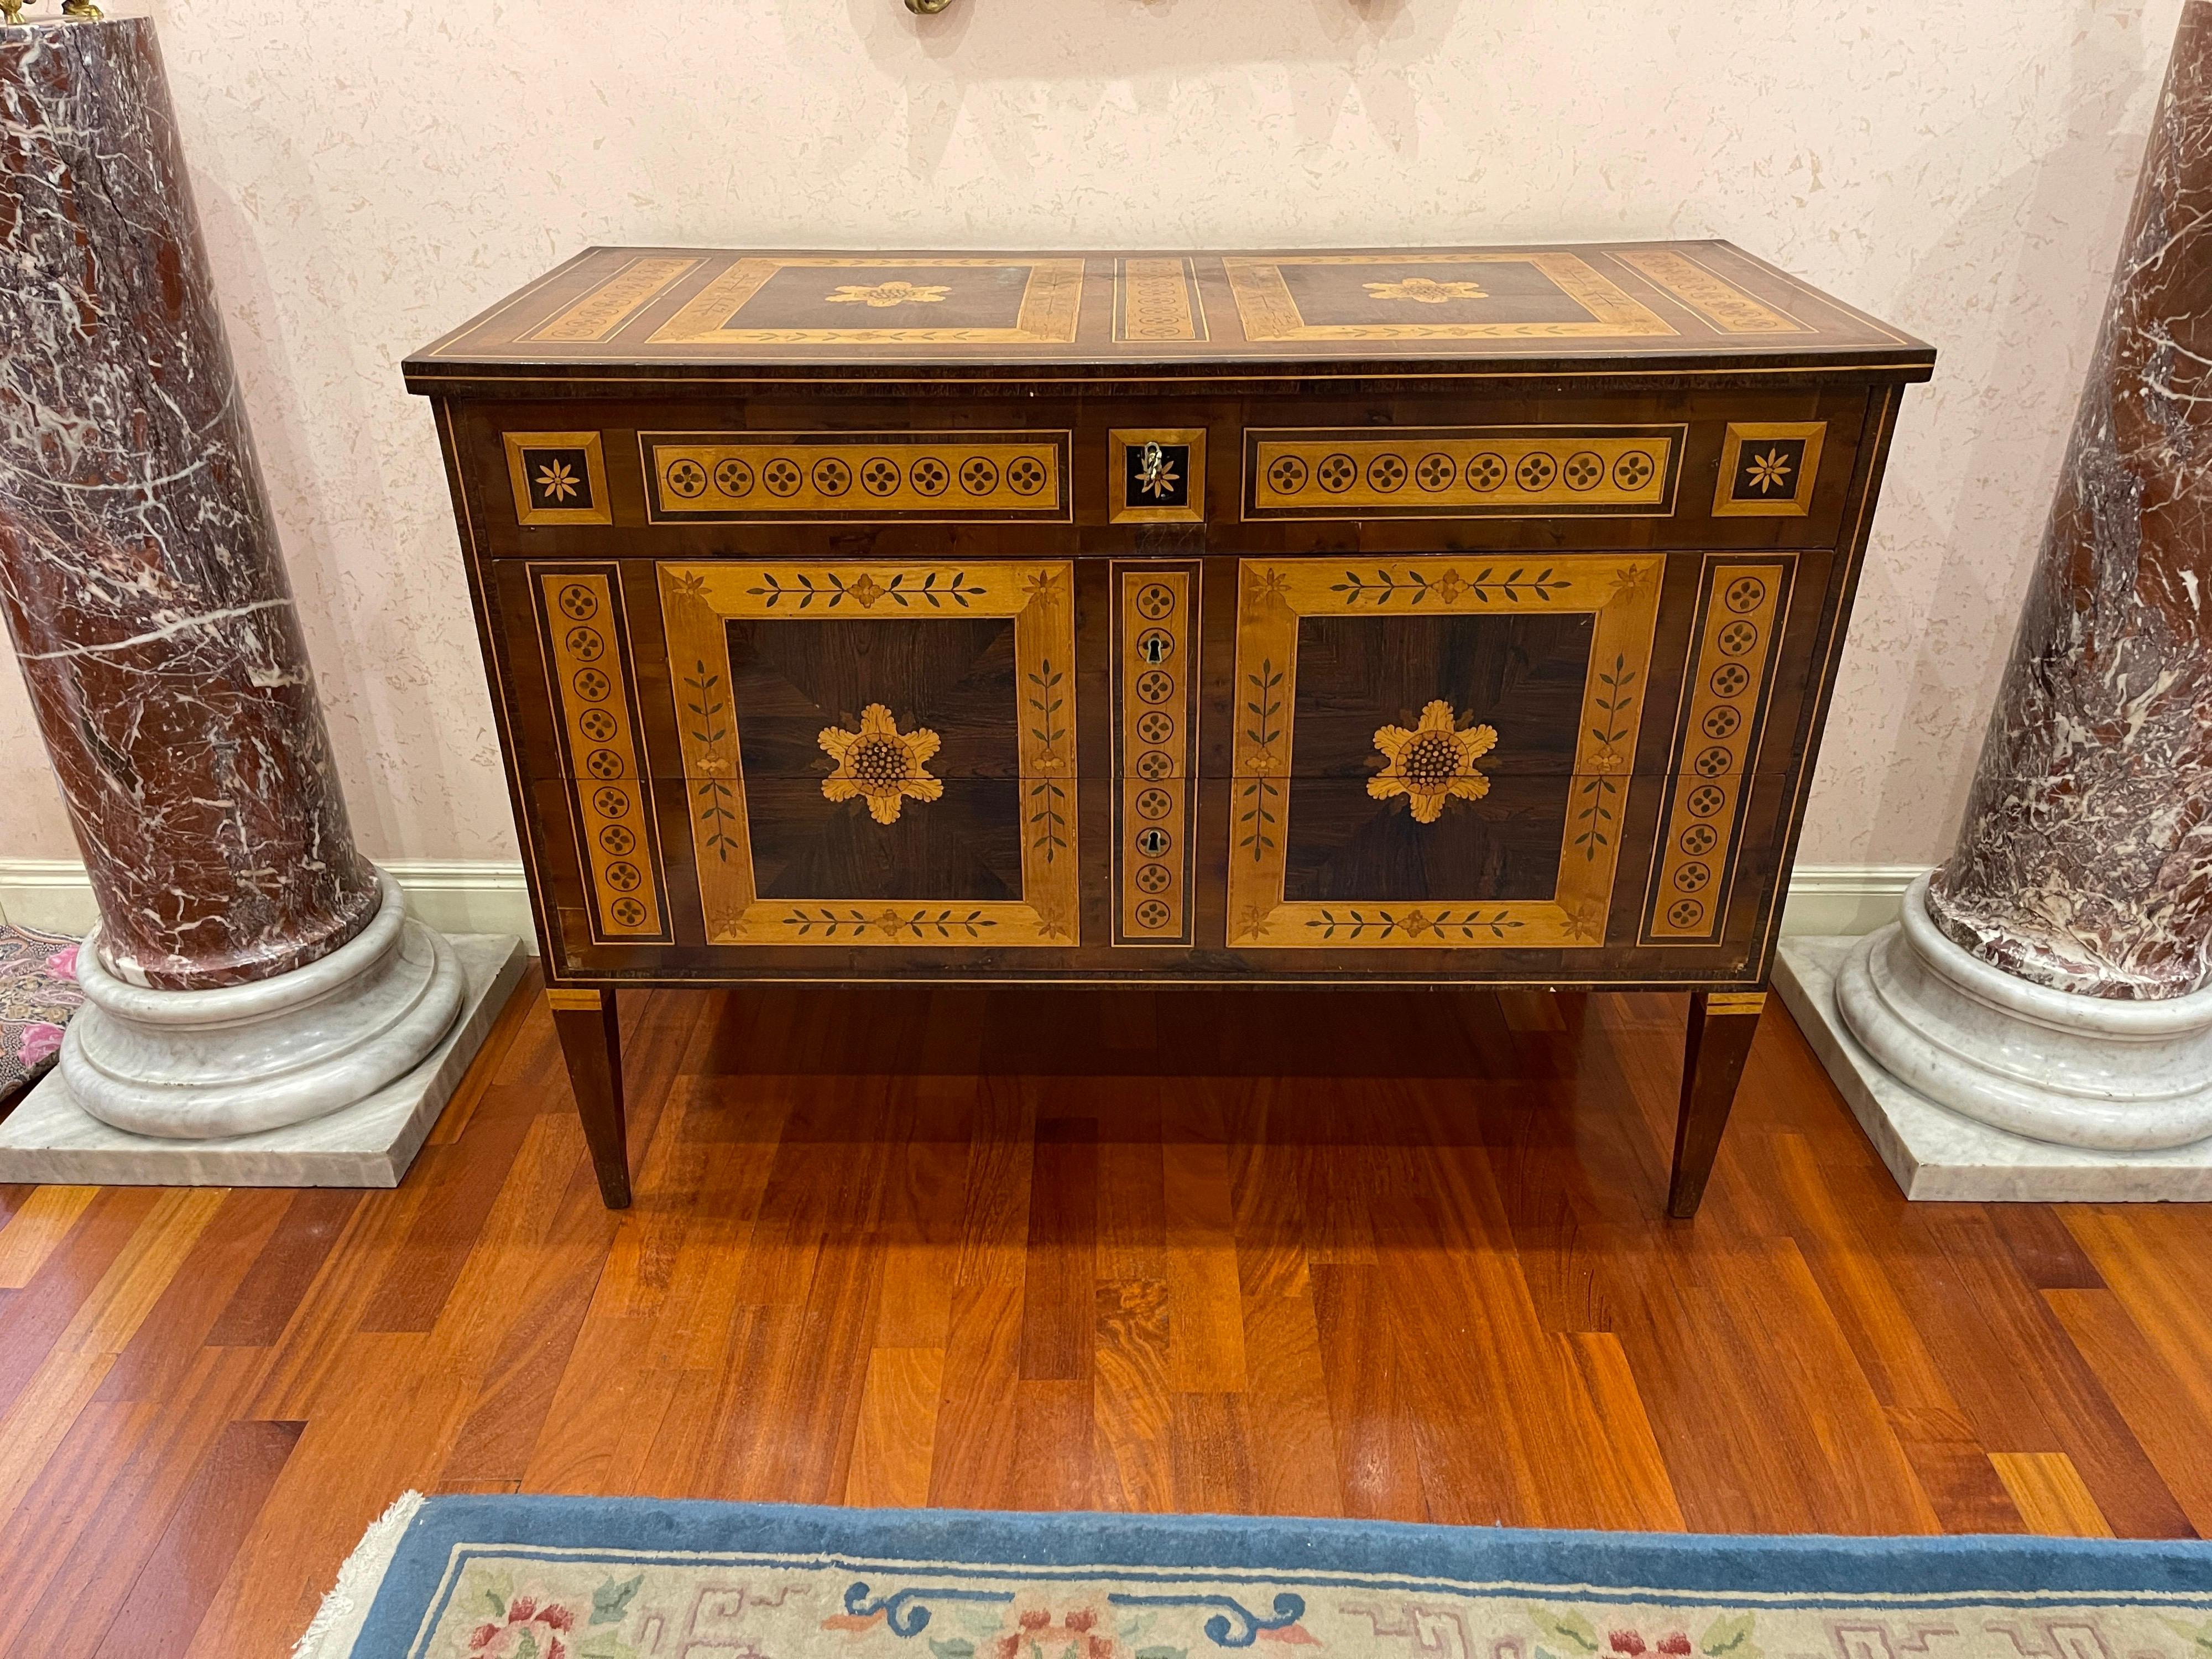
[[1155, 475]]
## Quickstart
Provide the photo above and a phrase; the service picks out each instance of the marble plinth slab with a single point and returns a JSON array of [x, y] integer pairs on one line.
[[1934, 1153], [49, 1138]]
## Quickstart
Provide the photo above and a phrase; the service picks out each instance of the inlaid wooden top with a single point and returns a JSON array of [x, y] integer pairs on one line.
[[702, 313]]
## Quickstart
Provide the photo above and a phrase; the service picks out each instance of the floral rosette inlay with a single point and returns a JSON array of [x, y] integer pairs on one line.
[[1432, 762], [880, 764]]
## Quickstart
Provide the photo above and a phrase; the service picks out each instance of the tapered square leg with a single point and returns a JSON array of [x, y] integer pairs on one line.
[[1722, 1025], [591, 1042]]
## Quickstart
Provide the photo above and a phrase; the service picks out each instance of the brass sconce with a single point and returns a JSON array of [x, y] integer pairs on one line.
[[927, 8]]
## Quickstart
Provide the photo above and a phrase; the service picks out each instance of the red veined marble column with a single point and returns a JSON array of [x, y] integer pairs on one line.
[[138, 571], [2084, 860], [2049, 980]]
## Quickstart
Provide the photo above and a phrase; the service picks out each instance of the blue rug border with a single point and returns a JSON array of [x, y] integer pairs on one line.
[[1697, 1565]]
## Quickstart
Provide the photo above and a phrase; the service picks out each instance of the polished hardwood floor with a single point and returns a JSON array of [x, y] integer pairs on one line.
[[1395, 1255]]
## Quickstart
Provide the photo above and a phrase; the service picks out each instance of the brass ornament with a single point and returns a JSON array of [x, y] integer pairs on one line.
[[927, 8], [1156, 474]]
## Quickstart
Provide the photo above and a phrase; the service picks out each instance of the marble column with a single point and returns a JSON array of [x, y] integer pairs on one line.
[[2084, 860], [2050, 979], [250, 969], [138, 572]]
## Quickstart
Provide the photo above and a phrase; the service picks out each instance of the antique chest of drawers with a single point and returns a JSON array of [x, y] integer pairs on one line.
[[1351, 617]]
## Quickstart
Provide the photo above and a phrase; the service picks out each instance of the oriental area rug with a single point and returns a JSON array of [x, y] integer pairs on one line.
[[521, 1577]]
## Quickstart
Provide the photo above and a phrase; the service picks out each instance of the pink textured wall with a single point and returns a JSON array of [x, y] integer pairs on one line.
[[369, 176]]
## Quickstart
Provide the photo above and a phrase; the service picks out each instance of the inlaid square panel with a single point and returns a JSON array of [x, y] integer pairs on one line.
[[861, 300], [878, 754], [558, 478], [1768, 469], [1155, 475], [1535, 294], [1434, 752]]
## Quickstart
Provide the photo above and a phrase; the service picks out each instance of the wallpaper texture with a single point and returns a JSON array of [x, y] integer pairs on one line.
[[370, 176]]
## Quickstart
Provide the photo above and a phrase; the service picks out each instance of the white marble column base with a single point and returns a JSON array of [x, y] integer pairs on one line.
[[239, 1059], [50, 1138], [1936, 1154]]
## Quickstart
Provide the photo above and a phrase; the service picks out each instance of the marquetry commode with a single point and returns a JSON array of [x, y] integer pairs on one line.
[[1339, 617]]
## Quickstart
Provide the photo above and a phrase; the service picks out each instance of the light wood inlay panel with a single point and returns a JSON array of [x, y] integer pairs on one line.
[[892, 476], [1156, 711], [600, 314], [1726, 307], [1462, 472], [697, 599], [607, 783], [1740, 605]]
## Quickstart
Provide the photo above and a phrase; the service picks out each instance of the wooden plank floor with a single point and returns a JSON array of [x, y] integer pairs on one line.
[[1395, 1255]]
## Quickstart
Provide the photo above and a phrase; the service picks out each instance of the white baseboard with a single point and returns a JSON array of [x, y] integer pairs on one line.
[[454, 896], [487, 895], [1846, 898]]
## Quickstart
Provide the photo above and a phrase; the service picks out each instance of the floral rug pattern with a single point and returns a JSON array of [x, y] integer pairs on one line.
[[527, 1606], [37, 994]]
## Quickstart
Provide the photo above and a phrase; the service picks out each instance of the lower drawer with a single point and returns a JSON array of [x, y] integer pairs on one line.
[[1438, 767]]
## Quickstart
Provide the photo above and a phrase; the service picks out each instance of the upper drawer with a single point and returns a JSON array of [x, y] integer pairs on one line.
[[1748, 467]]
